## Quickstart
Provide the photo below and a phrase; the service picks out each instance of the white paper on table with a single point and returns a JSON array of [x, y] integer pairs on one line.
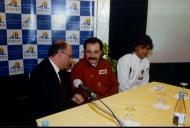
[[129, 122], [185, 97], [161, 106], [158, 88]]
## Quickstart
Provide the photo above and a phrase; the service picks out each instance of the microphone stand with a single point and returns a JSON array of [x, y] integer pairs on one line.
[[110, 112]]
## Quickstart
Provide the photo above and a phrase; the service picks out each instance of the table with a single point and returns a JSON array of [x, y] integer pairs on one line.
[[140, 99]]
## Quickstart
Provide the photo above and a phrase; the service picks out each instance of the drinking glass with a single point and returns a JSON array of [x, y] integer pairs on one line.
[[130, 108], [161, 96]]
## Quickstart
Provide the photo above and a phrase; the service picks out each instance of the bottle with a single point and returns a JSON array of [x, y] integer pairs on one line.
[[184, 85], [179, 116]]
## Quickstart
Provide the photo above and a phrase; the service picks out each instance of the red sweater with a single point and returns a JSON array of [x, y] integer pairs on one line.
[[100, 79]]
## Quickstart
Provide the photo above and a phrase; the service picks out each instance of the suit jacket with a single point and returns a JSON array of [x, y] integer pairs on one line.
[[48, 95]]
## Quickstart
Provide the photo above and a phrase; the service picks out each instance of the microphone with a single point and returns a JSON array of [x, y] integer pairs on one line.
[[78, 84]]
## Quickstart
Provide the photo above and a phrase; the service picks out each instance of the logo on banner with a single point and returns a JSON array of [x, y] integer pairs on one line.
[[86, 24], [29, 51], [72, 37], [16, 67], [73, 8], [44, 37], [13, 6], [2, 21], [14, 37], [3, 53], [28, 21], [43, 6]]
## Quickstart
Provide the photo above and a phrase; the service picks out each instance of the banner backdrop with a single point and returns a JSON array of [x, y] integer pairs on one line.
[[28, 28]]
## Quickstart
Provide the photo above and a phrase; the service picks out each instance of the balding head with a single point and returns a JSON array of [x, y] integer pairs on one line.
[[56, 46], [60, 53]]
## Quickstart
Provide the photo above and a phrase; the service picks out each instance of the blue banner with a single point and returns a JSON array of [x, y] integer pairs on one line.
[[28, 28]]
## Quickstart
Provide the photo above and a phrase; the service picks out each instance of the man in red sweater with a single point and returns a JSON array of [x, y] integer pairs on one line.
[[94, 71]]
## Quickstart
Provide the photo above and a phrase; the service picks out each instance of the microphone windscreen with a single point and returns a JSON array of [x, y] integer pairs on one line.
[[76, 83]]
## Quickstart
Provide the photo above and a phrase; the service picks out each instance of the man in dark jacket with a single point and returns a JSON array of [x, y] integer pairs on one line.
[[49, 92]]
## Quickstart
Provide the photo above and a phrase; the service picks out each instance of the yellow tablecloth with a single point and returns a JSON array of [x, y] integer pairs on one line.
[[140, 100]]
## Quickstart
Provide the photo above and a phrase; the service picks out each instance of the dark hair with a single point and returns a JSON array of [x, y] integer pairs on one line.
[[143, 40], [93, 40], [56, 46]]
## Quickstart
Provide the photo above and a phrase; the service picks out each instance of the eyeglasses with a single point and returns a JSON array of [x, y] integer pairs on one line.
[[70, 56]]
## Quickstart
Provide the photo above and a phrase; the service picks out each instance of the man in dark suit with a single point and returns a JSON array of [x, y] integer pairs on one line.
[[49, 94]]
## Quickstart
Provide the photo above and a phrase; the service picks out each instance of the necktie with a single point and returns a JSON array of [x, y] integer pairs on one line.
[[60, 79]]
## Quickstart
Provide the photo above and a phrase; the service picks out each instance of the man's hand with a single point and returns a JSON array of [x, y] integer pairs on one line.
[[78, 98]]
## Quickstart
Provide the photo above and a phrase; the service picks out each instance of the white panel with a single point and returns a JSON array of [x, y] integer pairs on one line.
[[168, 25], [102, 13]]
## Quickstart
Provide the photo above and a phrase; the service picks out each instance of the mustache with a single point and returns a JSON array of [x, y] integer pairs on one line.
[[92, 58]]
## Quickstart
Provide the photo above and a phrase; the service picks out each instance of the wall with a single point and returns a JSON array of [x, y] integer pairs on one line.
[[101, 20], [168, 24]]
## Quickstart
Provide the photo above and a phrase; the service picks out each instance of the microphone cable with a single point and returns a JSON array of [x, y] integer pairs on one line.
[[78, 83], [111, 114]]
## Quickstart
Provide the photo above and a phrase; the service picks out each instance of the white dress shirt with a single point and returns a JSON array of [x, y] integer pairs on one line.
[[56, 69], [132, 71]]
